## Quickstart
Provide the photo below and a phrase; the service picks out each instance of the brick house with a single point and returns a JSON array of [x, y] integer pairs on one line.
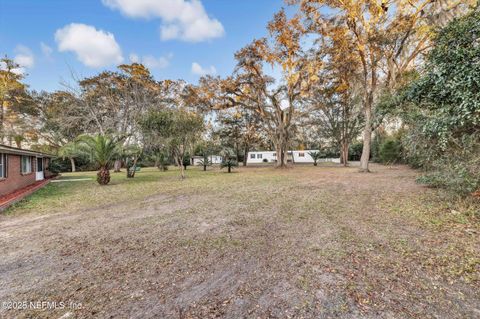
[[20, 168]]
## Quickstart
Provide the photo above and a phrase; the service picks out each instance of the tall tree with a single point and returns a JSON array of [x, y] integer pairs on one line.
[[58, 118], [114, 101], [337, 106], [240, 129], [277, 103], [178, 128], [387, 35], [13, 98]]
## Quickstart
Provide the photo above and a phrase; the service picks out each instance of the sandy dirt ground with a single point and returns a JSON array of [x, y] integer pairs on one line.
[[325, 242]]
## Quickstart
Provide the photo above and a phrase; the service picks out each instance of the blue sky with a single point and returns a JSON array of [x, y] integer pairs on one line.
[[51, 37]]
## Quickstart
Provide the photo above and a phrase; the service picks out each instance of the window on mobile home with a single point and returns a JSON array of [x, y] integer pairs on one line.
[[259, 155]]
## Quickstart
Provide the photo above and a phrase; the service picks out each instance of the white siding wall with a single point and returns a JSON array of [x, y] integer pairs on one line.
[[258, 157], [333, 160], [214, 159], [302, 156], [298, 157]]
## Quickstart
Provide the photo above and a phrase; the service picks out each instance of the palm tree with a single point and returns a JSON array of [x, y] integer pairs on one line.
[[316, 155], [205, 161], [103, 151], [71, 151], [229, 161]]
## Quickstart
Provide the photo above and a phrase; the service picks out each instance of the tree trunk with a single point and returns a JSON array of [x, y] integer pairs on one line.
[[229, 168], [179, 160], [344, 153], [237, 150], [72, 163], [103, 176], [182, 171], [245, 156], [367, 136], [2, 123], [204, 168], [281, 149], [131, 169], [117, 166]]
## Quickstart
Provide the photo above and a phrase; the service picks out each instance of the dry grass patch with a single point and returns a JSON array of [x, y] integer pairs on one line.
[[304, 242]]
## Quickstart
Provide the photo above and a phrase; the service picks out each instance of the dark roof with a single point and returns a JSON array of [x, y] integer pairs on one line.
[[18, 151]]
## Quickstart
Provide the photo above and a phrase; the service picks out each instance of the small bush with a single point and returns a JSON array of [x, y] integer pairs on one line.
[[229, 163], [186, 160]]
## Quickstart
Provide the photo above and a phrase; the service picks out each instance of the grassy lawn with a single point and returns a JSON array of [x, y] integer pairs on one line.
[[309, 242]]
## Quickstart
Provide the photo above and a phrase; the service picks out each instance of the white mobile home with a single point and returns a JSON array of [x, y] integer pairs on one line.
[[261, 157], [299, 157], [213, 159]]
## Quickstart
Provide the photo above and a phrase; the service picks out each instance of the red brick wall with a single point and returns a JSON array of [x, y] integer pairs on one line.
[[15, 180]]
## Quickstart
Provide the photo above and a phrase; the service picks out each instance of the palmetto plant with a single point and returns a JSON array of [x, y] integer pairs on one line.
[[205, 161], [229, 163], [229, 160], [316, 155], [102, 150]]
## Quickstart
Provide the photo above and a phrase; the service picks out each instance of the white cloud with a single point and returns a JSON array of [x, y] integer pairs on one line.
[[152, 62], [46, 50], [134, 58], [94, 48], [24, 56], [186, 20], [199, 70]]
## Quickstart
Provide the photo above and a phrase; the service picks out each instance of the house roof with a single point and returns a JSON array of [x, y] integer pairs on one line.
[[18, 151]]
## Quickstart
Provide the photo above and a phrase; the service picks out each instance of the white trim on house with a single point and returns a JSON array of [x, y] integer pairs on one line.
[[39, 171], [18, 151], [298, 157], [26, 165]]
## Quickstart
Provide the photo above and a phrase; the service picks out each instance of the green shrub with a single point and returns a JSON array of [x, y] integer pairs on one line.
[[441, 110], [355, 151], [390, 151], [186, 160], [377, 142], [458, 171]]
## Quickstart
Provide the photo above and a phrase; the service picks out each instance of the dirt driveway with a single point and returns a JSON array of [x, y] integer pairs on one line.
[[307, 242]]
